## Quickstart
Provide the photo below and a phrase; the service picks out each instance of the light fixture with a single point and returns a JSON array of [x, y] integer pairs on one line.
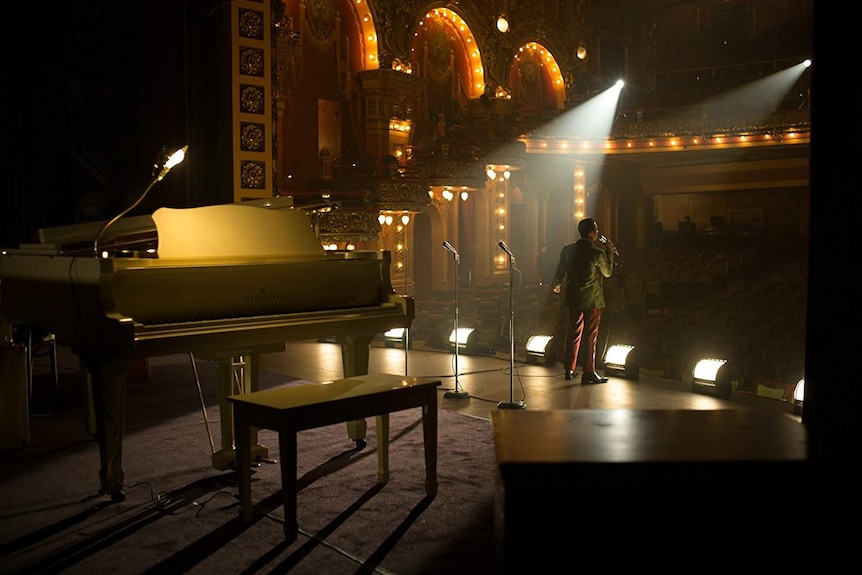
[[711, 376], [502, 23], [492, 175], [541, 348], [405, 219], [393, 336], [464, 338], [171, 161], [798, 396], [620, 360], [581, 52]]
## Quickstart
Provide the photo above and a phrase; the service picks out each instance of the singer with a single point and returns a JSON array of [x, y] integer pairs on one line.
[[584, 264]]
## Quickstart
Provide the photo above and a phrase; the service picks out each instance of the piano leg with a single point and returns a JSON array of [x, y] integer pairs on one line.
[[108, 380], [355, 350], [235, 375]]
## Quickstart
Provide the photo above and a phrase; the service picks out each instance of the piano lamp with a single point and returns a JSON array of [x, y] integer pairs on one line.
[[711, 376], [620, 360], [171, 161], [541, 348]]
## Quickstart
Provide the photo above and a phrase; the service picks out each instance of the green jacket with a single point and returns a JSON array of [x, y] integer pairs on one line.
[[584, 266]]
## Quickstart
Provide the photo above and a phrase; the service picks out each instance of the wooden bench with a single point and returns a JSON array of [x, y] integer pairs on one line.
[[291, 409]]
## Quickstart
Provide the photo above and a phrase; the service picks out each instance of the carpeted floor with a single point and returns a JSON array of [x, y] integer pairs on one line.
[[181, 515]]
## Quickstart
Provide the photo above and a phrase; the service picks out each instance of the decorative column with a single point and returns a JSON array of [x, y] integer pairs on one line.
[[251, 89], [390, 98]]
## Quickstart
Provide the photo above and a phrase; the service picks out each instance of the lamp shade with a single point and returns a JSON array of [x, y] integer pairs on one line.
[[394, 336], [711, 376], [541, 348], [465, 338], [621, 360], [798, 396]]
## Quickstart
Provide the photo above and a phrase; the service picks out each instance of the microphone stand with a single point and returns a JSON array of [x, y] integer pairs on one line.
[[457, 393], [511, 404]]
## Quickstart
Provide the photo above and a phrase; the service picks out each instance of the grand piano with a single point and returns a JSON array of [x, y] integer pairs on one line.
[[225, 283]]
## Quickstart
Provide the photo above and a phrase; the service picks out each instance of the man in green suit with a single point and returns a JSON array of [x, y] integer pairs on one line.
[[584, 265]]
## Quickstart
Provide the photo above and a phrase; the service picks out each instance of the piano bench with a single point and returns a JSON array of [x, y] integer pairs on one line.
[[289, 410]]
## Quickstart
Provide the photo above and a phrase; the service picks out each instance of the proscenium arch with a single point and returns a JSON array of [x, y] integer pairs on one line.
[[362, 16], [460, 30], [549, 65]]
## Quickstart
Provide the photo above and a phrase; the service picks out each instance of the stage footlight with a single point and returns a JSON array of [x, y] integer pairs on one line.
[[798, 397], [712, 377], [394, 336], [541, 349], [464, 338], [621, 361]]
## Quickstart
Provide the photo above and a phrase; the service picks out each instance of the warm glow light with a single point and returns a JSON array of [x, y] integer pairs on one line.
[[538, 343], [617, 354], [707, 369], [460, 31], [799, 392], [461, 336], [176, 157], [502, 24]]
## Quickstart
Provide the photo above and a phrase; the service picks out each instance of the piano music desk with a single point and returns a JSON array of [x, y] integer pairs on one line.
[[289, 410]]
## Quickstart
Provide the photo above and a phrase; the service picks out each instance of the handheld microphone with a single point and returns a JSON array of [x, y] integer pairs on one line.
[[604, 239], [505, 248], [449, 247]]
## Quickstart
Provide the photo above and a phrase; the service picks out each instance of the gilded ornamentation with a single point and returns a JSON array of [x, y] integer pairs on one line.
[[251, 99], [320, 17], [251, 24], [251, 62], [530, 71], [439, 50], [397, 20], [252, 137], [395, 196], [341, 226], [253, 175]]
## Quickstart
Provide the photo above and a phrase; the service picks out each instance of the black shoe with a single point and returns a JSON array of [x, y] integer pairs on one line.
[[569, 374], [590, 378]]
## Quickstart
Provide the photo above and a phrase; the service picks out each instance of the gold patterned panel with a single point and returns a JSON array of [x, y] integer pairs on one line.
[[252, 98]]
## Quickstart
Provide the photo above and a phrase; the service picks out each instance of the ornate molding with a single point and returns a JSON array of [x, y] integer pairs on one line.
[[348, 226]]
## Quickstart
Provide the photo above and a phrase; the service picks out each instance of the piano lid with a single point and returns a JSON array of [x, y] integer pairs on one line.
[[128, 235], [235, 230]]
